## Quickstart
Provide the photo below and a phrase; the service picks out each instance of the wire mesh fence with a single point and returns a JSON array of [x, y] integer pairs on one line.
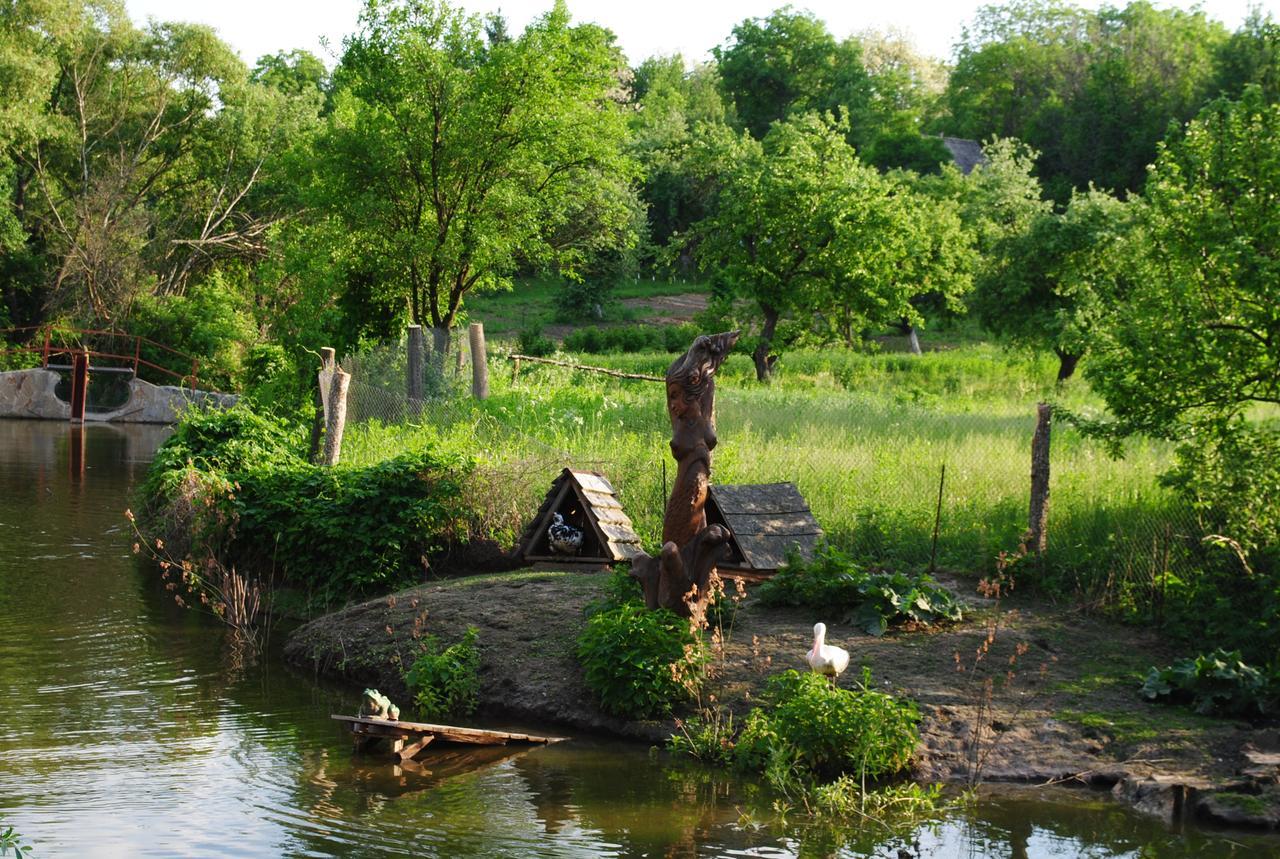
[[871, 471]]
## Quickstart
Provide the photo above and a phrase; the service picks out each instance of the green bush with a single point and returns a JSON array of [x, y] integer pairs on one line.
[[232, 441], [833, 730], [577, 300], [446, 682], [873, 600], [536, 344], [620, 588], [631, 338], [345, 531], [640, 663], [1218, 683]]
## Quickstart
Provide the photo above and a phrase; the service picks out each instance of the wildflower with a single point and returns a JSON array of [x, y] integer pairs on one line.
[[128, 514], [136, 548]]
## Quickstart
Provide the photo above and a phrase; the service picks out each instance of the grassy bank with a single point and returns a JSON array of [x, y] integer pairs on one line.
[[864, 436]]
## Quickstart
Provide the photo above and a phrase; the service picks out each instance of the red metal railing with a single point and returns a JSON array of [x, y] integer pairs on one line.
[[51, 341]]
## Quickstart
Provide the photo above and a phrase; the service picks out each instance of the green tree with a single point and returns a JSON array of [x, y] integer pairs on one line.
[[770, 234], [1251, 56], [452, 159], [771, 67], [1050, 285], [1093, 92]]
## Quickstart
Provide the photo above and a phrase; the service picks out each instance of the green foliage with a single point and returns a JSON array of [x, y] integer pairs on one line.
[[533, 342], [631, 338], [1093, 91], [827, 730], [345, 531], [338, 531], [640, 663], [11, 844], [1050, 286], [446, 682], [1219, 683], [231, 441], [873, 600], [620, 589], [451, 159]]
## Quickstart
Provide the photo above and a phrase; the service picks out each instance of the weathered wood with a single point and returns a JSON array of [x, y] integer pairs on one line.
[[1038, 514], [783, 524], [616, 373], [417, 351], [479, 362], [337, 418], [592, 495], [406, 752], [450, 733], [765, 552], [769, 498]]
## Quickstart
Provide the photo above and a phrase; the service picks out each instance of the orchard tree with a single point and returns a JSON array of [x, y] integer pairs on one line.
[[770, 236], [454, 158], [1050, 285], [1194, 350]]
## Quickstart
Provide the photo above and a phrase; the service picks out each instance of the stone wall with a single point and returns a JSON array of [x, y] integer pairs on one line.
[[30, 394]]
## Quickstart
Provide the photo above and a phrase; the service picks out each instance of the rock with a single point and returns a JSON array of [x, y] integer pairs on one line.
[[1168, 797], [1239, 808]]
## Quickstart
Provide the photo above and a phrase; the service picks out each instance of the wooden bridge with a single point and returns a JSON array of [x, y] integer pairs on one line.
[[173, 374], [408, 738]]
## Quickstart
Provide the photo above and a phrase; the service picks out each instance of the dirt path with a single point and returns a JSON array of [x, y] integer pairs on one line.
[[1070, 709]]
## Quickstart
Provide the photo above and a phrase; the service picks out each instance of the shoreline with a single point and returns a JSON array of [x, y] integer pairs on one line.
[[1071, 714]]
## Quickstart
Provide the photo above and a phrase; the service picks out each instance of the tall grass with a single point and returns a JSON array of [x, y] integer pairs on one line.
[[863, 436]]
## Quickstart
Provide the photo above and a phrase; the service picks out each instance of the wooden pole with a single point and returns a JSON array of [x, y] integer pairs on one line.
[[327, 359], [337, 417], [1038, 519], [417, 350], [641, 376], [937, 518], [79, 384], [479, 362]]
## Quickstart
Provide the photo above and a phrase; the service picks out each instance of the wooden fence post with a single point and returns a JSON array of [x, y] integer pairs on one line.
[[327, 359], [337, 417], [479, 363], [417, 349], [1038, 521]]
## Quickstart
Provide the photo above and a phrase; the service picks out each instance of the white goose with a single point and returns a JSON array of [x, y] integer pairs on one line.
[[824, 658]]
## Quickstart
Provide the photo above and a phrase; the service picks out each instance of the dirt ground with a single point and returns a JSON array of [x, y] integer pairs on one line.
[[669, 309], [1067, 708]]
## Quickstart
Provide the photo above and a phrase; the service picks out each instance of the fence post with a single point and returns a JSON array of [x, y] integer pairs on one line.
[[479, 363], [79, 384], [337, 417], [1038, 520], [327, 358], [417, 347]]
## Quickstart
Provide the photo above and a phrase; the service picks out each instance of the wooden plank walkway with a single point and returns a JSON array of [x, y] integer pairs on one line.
[[409, 738]]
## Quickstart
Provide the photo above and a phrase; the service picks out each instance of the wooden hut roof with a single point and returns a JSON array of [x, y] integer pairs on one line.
[[766, 520], [605, 515], [966, 153]]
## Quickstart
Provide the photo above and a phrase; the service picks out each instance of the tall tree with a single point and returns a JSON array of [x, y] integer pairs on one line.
[[454, 158]]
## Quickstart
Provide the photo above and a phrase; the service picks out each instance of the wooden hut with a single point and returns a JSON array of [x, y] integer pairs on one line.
[[765, 521], [587, 501]]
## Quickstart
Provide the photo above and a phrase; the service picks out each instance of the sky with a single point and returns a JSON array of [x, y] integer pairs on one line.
[[643, 27]]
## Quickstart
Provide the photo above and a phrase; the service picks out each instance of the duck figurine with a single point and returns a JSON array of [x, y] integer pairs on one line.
[[825, 658], [564, 539]]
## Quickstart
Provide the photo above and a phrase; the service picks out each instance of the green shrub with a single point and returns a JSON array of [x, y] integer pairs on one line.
[[873, 600], [631, 338], [1218, 683], [620, 588], [536, 344], [577, 300], [833, 730], [446, 682], [345, 531], [231, 440], [640, 663]]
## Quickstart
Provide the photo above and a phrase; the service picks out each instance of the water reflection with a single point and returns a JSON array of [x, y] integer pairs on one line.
[[130, 730]]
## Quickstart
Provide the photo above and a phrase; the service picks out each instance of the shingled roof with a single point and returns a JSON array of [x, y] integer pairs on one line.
[[587, 501], [966, 153], [765, 520]]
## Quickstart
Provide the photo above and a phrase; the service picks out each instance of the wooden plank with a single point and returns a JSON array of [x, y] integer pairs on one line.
[[759, 498], [603, 500], [781, 524], [617, 533], [407, 752], [450, 732], [612, 515], [592, 482], [769, 553]]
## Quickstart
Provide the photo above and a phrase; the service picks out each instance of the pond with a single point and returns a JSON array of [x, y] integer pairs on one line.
[[129, 729]]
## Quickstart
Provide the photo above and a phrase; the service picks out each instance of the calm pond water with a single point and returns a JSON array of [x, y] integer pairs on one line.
[[129, 730]]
